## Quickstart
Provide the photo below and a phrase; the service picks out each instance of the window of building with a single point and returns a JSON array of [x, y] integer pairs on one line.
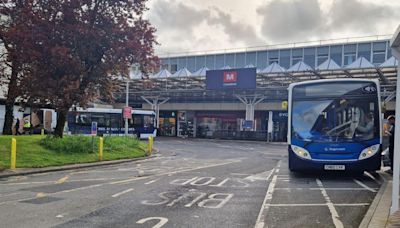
[[284, 58], [191, 64], [297, 56], [181, 63], [262, 60], [364, 50], [173, 65], [173, 68], [336, 54], [309, 56], [240, 60], [210, 62], [379, 52], [251, 58], [200, 61], [219, 61], [322, 55], [350, 54], [230, 60]]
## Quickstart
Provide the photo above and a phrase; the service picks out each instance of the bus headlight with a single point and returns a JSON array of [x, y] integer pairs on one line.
[[369, 152], [301, 152]]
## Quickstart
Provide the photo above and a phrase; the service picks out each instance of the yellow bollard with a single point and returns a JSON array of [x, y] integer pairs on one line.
[[150, 145], [101, 149], [13, 153]]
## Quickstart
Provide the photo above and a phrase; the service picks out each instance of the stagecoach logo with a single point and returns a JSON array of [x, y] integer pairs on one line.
[[230, 78], [369, 89]]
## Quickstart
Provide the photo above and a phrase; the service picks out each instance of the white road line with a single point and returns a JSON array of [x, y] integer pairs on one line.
[[260, 222], [277, 171], [331, 189], [316, 204], [123, 192], [373, 178], [150, 182], [364, 186], [334, 214]]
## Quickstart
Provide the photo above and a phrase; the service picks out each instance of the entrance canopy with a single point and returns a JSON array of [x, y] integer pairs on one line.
[[271, 82]]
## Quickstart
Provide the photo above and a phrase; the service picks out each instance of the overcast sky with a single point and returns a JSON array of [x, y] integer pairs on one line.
[[200, 25]]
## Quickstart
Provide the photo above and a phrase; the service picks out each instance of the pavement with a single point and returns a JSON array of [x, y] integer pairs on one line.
[[195, 183]]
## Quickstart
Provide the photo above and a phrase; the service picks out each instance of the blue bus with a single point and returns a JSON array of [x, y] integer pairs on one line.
[[111, 122], [334, 124]]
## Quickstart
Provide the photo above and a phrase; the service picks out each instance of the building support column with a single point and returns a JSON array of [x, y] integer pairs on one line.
[[396, 155], [250, 101], [155, 103]]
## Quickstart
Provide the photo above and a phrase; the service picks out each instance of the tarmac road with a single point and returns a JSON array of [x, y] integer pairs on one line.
[[192, 183]]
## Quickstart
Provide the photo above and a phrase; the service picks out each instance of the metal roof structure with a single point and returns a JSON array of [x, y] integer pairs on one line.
[[272, 82]]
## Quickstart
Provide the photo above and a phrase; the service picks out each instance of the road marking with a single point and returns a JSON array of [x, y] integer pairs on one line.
[[372, 177], [175, 172], [334, 214], [158, 225], [277, 171], [41, 195], [315, 204], [123, 181], [121, 193], [260, 222], [331, 189], [10, 194], [364, 186], [62, 180], [150, 182]]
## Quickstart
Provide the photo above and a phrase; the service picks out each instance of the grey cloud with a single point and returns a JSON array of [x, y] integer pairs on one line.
[[361, 16], [290, 20], [236, 31], [172, 16]]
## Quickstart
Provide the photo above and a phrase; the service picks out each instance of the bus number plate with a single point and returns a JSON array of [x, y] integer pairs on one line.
[[334, 167]]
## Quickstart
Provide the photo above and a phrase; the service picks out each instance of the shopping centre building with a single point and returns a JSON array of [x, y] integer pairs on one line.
[[242, 94]]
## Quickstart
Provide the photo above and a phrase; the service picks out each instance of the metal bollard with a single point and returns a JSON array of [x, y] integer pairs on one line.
[[13, 153], [101, 148], [151, 140], [42, 131]]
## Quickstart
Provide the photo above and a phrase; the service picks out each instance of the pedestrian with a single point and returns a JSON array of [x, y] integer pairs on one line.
[[390, 132], [17, 125]]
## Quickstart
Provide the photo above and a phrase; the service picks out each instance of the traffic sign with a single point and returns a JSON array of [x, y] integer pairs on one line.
[[94, 128], [128, 113]]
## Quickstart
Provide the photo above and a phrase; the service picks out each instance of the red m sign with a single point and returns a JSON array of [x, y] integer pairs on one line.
[[230, 76]]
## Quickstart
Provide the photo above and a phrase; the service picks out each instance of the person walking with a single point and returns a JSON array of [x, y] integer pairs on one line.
[[17, 125], [390, 132]]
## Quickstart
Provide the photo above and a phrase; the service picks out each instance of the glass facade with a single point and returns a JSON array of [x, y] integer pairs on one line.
[[343, 54], [322, 55], [284, 59]]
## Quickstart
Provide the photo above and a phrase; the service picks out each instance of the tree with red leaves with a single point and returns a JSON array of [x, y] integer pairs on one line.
[[14, 23], [80, 47]]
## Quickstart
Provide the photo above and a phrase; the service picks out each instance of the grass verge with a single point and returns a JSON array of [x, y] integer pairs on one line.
[[40, 151]]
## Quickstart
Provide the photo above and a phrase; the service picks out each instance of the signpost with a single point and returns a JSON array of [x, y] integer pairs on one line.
[[94, 128], [127, 112]]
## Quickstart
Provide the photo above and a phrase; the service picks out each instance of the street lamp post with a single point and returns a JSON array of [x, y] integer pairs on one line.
[[126, 105]]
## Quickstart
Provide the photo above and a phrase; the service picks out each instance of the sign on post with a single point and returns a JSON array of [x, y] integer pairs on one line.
[[94, 128], [128, 113]]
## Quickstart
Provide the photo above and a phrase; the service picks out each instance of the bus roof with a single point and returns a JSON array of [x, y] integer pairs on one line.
[[333, 80]]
